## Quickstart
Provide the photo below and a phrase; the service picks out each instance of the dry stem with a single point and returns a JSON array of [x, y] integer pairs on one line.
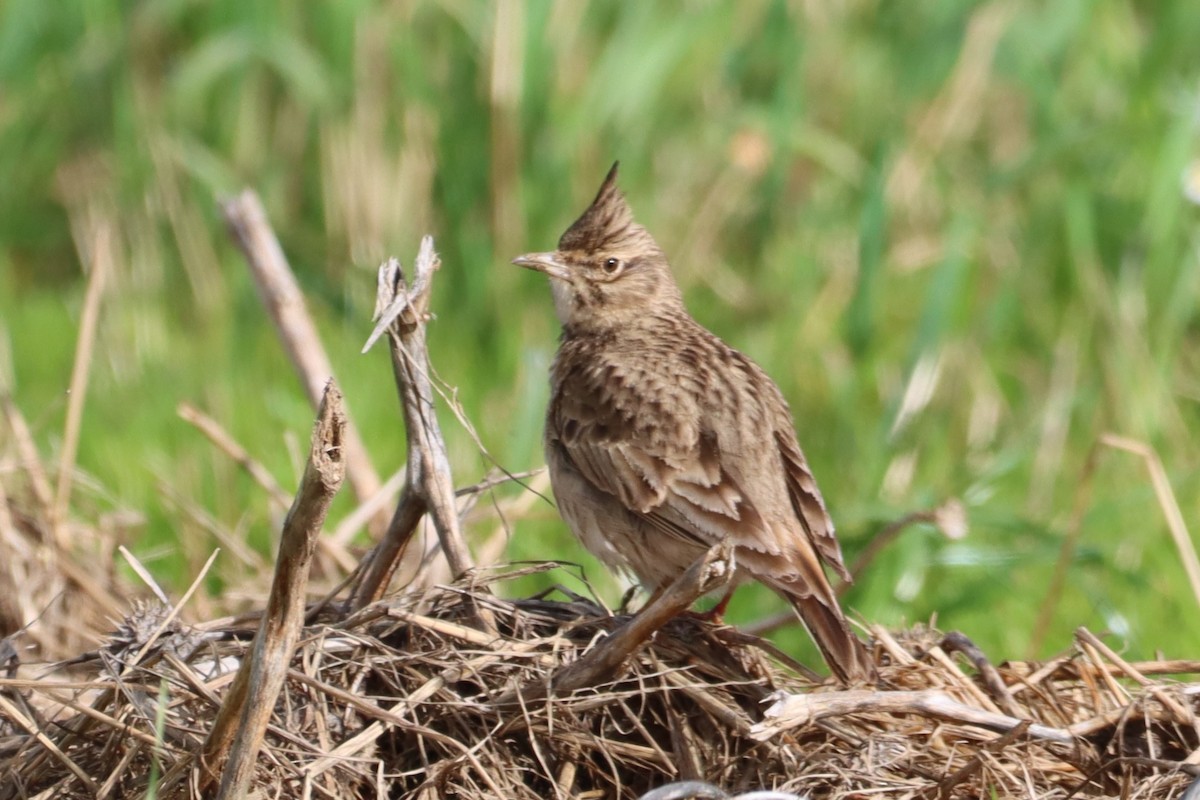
[[708, 573], [401, 311], [233, 743], [798, 710], [281, 295], [101, 264]]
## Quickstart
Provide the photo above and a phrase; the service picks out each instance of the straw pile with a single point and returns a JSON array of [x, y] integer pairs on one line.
[[452, 691], [406, 698]]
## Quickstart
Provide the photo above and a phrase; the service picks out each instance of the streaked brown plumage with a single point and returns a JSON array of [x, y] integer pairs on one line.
[[662, 440]]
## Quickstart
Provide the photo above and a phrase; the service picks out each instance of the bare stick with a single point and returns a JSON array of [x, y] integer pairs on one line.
[[401, 311], [100, 251], [708, 573], [798, 710], [232, 746], [380, 564], [950, 518], [279, 292], [957, 641]]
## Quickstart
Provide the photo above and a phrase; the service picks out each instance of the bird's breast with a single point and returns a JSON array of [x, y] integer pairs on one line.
[[610, 392]]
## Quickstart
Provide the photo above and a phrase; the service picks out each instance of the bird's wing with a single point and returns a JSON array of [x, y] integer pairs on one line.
[[676, 495], [807, 501], [663, 465]]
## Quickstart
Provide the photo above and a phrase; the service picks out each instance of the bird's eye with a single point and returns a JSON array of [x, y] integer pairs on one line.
[[612, 265]]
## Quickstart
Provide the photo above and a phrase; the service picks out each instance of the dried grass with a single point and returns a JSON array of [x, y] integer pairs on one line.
[[399, 700]]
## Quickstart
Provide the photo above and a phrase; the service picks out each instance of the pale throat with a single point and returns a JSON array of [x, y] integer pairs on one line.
[[564, 306]]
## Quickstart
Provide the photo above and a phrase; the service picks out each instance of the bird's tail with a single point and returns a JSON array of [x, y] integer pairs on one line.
[[844, 652]]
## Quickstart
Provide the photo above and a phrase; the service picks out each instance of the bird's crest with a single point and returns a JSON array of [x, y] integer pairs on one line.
[[607, 223]]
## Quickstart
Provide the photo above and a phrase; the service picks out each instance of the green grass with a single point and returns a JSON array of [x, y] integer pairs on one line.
[[856, 195]]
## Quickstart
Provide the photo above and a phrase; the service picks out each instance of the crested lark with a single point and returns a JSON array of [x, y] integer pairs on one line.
[[662, 440]]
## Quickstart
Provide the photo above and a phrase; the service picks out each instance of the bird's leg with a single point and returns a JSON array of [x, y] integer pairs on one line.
[[716, 614], [627, 598], [653, 596]]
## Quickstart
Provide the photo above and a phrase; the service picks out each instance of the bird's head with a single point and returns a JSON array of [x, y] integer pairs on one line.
[[608, 271]]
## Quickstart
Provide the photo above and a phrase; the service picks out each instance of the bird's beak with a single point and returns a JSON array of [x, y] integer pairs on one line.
[[549, 263]]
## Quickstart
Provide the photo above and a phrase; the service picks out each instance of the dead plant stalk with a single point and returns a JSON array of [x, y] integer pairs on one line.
[[234, 740]]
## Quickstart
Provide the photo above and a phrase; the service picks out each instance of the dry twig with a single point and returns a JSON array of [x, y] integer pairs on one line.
[[401, 311], [707, 574], [791, 711], [279, 292], [99, 253], [233, 743]]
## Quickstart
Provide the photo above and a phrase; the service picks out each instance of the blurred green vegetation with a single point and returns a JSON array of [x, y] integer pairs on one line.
[[955, 233]]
